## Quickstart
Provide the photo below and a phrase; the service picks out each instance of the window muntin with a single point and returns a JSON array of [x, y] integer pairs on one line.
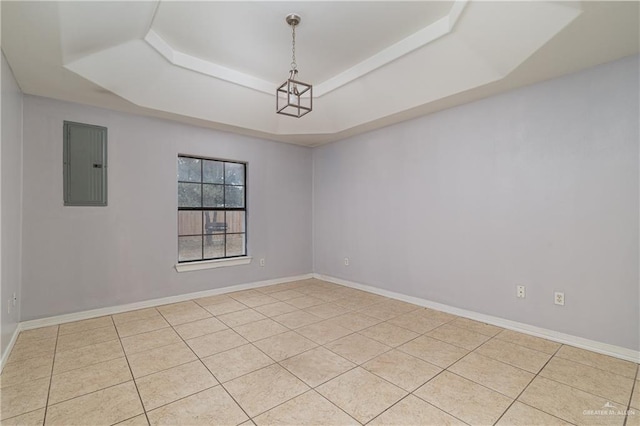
[[212, 217]]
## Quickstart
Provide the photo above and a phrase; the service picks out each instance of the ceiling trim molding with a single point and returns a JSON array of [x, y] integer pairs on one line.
[[211, 69], [426, 35]]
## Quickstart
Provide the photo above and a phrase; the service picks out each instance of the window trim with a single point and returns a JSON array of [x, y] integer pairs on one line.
[[207, 263], [197, 265]]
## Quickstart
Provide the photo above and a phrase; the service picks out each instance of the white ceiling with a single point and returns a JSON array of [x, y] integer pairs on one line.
[[217, 64]]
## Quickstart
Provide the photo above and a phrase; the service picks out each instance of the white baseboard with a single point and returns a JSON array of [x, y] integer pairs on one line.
[[7, 351], [77, 316], [580, 342]]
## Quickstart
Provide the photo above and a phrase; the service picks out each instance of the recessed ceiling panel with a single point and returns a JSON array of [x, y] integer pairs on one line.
[[253, 37]]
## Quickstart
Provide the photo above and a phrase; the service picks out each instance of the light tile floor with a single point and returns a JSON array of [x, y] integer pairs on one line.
[[306, 353]]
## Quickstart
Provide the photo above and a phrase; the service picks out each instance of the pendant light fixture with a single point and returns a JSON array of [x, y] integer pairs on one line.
[[294, 98]]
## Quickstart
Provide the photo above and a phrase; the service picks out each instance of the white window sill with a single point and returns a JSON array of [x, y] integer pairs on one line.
[[209, 264]]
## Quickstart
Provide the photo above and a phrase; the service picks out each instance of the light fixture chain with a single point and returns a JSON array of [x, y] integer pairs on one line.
[[293, 47]]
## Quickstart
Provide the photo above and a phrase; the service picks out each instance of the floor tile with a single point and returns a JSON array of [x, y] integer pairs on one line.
[[361, 394], [389, 334], [603, 362], [154, 360], [23, 398], [355, 303], [263, 389], [531, 342], [414, 411], [305, 302], [520, 414], [88, 324], [464, 399], [212, 300], [317, 366], [237, 318], [254, 300], [516, 355], [275, 309], [285, 345], [286, 294], [89, 379], [297, 319], [417, 321], [236, 362], [32, 349], [260, 329], [501, 377], [139, 420], [457, 336], [354, 321], [293, 285], [219, 341], [86, 338], [434, 351], [26, 370], [180, 313], [633, 418], [476, 326], [169, 385], [327, 310], [635, 400], [357, 348], [150, 340], [308, 409], [401, 369], [104, 407], [210, 407], [33, 418], [225, 307], [567, 403], [87, 355], [200, 328], [380, 311], [38, 333], [438, 315], [131, 328], [323, 332], [137, 315], [607, 385]]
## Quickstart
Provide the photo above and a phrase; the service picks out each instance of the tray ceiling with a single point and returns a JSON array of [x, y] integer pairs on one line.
[[217, 64]]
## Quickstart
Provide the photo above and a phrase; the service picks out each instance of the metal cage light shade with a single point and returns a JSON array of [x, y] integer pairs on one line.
[[294, 97]]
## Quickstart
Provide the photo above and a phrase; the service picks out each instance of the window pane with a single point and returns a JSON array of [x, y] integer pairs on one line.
[[189, 222], [213, 196], [234, 174], [189, 195], [189, 248], [234, 196], [214, 222], [213, 246], [235, 221], [188, 169], [212, 171], [235, 244]]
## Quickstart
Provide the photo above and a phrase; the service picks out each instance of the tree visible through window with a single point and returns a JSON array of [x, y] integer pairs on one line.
[[211, 209]]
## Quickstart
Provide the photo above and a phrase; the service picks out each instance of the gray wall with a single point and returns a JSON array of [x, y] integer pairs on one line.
[[538, 186], [79, 258], [11, 189]]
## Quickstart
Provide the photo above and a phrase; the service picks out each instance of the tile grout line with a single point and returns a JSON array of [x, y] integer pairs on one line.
[[205, 366], [46, 404], [348, 310], [527, 386], [633, 389], [133, 378]]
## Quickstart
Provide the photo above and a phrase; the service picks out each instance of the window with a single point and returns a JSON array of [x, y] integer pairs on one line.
[[211, 209]]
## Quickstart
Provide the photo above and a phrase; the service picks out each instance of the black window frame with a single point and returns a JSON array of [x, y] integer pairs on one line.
[[203, 209]]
